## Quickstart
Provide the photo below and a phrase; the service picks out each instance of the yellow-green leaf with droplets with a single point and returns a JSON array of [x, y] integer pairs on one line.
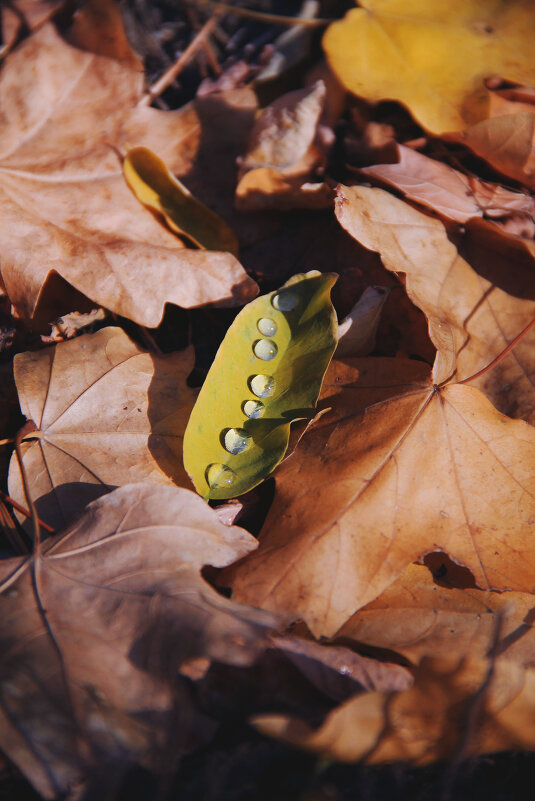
[[266, 373], [156, 187]]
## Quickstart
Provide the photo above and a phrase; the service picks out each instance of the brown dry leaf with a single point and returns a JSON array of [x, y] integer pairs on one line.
[[399, 470], [96, 626], [471, 319], [106, 413], [456, 707], [286, 151], [447, 191], [507, 142], [357, 331], [69, 325], [418, 617], [29, 14], [65, 206]]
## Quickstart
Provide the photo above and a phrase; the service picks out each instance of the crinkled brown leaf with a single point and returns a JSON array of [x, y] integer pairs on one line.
[[65, 207], [473, 314], [286, 152], [399, 472], [96, 626], [106, 413], [450, 193]]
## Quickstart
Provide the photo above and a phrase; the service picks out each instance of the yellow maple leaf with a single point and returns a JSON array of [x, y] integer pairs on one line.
[[433, 57]]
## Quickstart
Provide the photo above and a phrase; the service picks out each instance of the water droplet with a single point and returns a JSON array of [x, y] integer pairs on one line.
[[285, 300], [253, 408], [267, 326], [219, 476], [265, 350], [263, 386], [236, 440]]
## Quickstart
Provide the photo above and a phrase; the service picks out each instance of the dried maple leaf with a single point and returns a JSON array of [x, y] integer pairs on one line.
[[447, 191], [96, 625], [106, 413], [418, 617], [65, 207], [394, 473], [434, 59], [471, 319], [456, 708]]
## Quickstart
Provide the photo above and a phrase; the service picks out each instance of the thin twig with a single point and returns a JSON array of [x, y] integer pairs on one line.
[[261, 16], [26, 429], [7, 499], [501, 355], [174, 70]]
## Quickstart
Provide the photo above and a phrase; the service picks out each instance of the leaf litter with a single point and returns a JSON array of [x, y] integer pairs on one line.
[[385, 612]]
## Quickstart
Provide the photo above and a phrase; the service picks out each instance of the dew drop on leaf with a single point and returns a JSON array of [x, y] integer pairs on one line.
[[285, 301], [263, 386], [253, 409], [219, 475], [267, 326], [236, 440], [265, 350]]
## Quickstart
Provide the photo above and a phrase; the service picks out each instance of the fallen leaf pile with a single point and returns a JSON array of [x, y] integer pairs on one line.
[[383, 611]]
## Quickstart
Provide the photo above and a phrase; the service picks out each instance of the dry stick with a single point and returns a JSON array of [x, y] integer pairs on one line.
[[174, 70], [7, 499], [261, 16], [11, 532], [26, 429]]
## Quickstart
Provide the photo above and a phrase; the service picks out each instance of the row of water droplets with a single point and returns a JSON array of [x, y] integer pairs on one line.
[[236, 440]]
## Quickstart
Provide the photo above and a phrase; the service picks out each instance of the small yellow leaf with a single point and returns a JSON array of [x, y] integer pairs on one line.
[[433, 56], [267, 372], [156, 187]]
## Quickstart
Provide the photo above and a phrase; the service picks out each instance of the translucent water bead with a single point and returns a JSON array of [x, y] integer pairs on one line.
[[253, 409], [219, 476], [285, 300], [236, 440], [267, 326], [263, 386], [265, 350]]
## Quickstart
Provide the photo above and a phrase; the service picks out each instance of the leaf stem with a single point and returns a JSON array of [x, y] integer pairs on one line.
[[501, 355]]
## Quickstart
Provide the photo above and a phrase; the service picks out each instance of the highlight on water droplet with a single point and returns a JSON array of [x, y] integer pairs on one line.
[[265, 350], [253, 409], [219, 475], [236, 440], [286, 300], [263, 386], [267, 326]]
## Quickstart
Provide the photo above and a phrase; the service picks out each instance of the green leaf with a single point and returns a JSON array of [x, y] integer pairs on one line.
[[158, 189], [270, 364]]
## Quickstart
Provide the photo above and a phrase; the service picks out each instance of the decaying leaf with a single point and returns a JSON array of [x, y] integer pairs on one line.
[[457, 707], [450, 193], [471, 319], [434, 59], [58, 152], [106, 413], [155, 187], [285, 154], [391, 478], [266, 373], [96, 626], [357, 331]]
